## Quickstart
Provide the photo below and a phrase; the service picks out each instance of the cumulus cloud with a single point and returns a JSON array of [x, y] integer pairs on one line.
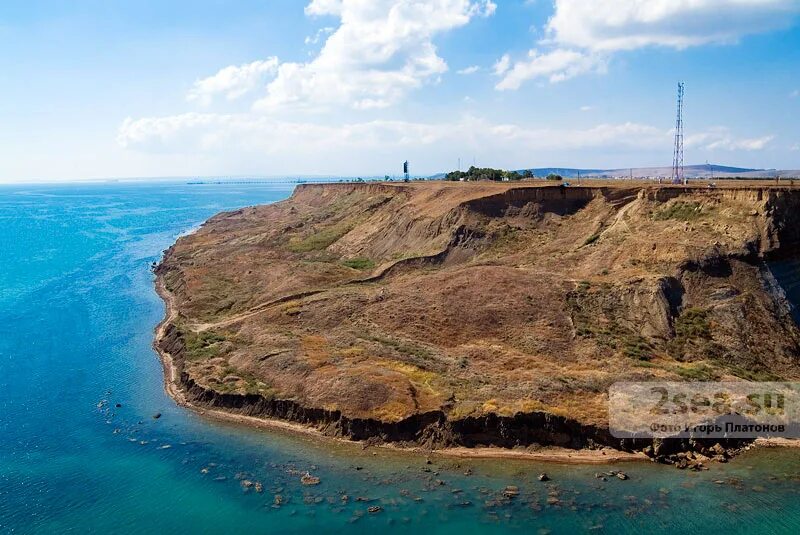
[[582, 35], [233, 81], [381, 50]]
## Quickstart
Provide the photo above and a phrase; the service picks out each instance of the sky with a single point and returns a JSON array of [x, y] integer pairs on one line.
[[157, 88]]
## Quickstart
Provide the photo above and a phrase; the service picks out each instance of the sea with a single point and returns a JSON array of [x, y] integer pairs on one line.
[[82, 452]]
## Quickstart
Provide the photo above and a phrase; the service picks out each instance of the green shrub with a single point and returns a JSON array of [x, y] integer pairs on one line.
[[637, 348], [359, 263], [203, 345], [693, 323]]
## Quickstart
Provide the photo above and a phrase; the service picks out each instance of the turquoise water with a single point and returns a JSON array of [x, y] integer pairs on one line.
[[77, 312]]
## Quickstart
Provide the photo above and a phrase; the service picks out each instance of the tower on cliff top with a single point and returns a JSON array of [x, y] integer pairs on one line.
[[677, 157]]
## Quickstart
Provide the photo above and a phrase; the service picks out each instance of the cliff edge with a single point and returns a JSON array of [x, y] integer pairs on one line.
[[477, 313]]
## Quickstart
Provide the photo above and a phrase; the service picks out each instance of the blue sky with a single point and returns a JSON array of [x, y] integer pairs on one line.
[[95, 89]]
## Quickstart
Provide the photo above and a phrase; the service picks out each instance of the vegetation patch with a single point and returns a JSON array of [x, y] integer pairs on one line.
[[359, 263], [753, 375], [203, 345], [487, 173], [699, 371], [401, 347], [681, 211], [171, 279], [319, 240], [637, 348], [593, 317], [693, 336], [232, 380], [591, 239], [693, 323]]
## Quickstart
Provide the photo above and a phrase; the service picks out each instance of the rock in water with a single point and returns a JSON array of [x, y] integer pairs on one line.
[[308, 479]]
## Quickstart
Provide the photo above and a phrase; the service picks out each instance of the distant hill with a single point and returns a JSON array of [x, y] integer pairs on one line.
[[691, 171]]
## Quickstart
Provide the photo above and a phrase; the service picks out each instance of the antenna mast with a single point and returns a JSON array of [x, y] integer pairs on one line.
[[677, 157]]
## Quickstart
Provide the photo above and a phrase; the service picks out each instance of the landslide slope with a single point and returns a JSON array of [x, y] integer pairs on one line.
[[388, 303]]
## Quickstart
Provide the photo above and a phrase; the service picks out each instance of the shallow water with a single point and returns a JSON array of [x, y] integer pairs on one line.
[[77, 312]]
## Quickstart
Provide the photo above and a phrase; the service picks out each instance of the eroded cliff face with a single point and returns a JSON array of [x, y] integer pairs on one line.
[[478, 313]]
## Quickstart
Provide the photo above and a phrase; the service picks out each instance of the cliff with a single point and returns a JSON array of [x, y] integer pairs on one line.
[[469, 314]]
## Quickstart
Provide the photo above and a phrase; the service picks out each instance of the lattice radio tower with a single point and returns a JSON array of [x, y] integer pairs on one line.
[[677, 158]]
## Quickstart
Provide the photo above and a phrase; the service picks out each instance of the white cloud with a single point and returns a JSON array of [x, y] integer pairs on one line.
[[502, 65], [325, 7], [486, 8], [719, 138], [192, 132], [469, 70], [611, 25], [795, 93], [299, 146], [557, 66], [233, 81], [581, 33], [322, 32], [795, 147], [586, 108], [209, 143], [381, 50]]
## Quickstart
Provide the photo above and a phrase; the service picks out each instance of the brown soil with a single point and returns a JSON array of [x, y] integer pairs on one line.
[[360, 306]]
